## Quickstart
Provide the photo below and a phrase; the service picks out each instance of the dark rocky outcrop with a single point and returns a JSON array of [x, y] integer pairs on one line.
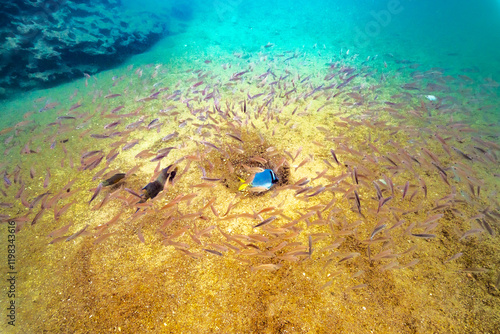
[[45, 42]]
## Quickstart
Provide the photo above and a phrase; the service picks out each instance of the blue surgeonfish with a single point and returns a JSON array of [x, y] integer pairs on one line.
[[264, 179]]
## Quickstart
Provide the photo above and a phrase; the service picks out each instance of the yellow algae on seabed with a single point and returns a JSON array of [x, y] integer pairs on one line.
[[338, 257]]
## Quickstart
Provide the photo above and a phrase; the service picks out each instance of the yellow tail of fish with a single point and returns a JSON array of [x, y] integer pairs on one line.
[[243, 186]]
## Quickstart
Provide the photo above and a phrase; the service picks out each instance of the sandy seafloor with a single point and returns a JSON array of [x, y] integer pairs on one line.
[[384, 130]]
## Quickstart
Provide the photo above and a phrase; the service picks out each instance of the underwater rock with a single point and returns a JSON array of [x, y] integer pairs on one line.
[[43, 43]]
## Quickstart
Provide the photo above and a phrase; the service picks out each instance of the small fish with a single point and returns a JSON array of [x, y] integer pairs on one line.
[[423, 235], [235, 137], [101, 238], [454, 257], [405, 190], [466, 156], [113, 179], [377, 230], [112, 125], [38, 216], [170, 136], [111, 96], [382, 202], [47, 179], [268, 266], [132, 192], [140, 235], [73, 236], [6, 180], [59, 232], [358, 201], [96, 193], [265, 222], [334, 157], [212, 252]]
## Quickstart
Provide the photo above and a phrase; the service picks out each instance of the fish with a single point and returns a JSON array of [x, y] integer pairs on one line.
[[170, 136], [112, 125], [268, 266], [73, 236], [152, 189], [423, 235], [265, 222], [60, 231], [261, 182], [113, 179], [111, 96], [377, 230], [212, 252], [96, 193], [405, 189], [132, 192], [454, 257], [382, 202], [334, 156], [102, 237]]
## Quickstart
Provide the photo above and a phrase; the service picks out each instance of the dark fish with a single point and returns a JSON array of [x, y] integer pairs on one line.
[[113, 179], [152, 189]]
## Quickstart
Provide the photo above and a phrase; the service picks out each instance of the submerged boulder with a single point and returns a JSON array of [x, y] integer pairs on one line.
[[46, 42]]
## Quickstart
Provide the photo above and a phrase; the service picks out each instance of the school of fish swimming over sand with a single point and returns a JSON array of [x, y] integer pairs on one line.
[[379, 175]]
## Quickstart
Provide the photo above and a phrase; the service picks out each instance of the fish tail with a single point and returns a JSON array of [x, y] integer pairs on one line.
[[244, 185]]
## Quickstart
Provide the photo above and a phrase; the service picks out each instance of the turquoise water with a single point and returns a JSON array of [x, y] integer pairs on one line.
[[380, 119]]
